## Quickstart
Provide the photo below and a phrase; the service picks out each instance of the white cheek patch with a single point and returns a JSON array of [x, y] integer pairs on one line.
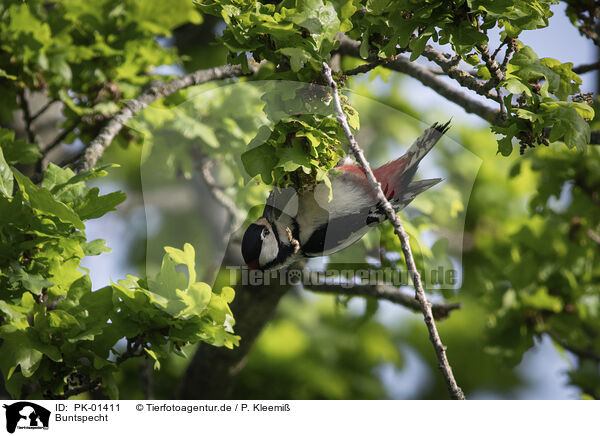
[[269, 250]]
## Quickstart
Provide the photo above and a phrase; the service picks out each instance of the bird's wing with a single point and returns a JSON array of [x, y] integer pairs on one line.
[[329, 226], [337, 234]]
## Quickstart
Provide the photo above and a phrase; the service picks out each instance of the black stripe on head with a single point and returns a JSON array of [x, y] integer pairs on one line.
[[252, 243]]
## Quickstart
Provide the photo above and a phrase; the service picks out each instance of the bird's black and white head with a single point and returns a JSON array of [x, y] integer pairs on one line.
[[260, 245], [271, 242]]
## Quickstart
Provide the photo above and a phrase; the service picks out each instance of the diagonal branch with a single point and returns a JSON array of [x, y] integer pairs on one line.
[[365, 68], [430, 79], [96, 148], [440, 349], [493, 67], [582, 353], [43, 109], [510, 50], [380, 291], [586, 68], [61, 137], [497, 51], [212, 372], [452, 70], [205, 165]]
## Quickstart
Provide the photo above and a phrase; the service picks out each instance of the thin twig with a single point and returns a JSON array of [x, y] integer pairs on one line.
[[70, 160], [427, 78], [462, 77], [503, 112], [440, 349], [510, 49], [43, 109], [205, 165], [380, 291], [135, 348], [493, 67], [430, 79], [96, 148], [497, 51], [585, 353], [61, 137], [364, 68], [439, 72], [27, 117], [586, 68]]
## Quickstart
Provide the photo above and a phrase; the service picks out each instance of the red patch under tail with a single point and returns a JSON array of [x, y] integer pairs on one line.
[[389, 175]]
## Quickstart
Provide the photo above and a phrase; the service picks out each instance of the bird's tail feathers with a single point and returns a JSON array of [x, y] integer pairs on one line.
[[424, 143], [397, 175], [412, 190]]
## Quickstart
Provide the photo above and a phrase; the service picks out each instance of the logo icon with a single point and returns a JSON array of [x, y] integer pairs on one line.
[[26, 415]]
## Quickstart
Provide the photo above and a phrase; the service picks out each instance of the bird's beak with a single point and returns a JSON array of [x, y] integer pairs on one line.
[[254, 264]]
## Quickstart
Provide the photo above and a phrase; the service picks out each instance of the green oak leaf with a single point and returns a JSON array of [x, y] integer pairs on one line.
[[95, 206], [42, 200], [6, 177]]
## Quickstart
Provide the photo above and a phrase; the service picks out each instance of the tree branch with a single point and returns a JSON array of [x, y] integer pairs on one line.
[[77, 383], [582, 353], [205, 164], [381, 291], [507, 55], [497, 51], [135, 348], [61, 137], [428, 78], [43, 109], [27, 117], [213, 371], [493, 67], [440, 349], [364, 68], [586, 68], [462, 77], [96, 148], [439, 72]]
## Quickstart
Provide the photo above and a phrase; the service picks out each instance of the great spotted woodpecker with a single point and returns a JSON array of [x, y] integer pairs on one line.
[[306, 224]]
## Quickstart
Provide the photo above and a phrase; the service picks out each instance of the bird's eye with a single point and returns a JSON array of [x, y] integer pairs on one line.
[[265, 233]]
